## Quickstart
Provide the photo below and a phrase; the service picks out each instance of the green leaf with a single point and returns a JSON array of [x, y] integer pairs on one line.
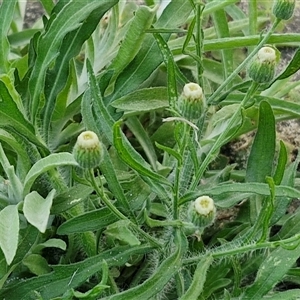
[[37, 209], [170, 151], [281, 164], [24, 163], [49, 43], [107, 169], [94, 112], [195, 289], [261, 158], [10, 115], [48, 5], [92, 293], [36, 264], [171, 67], [120, 231], [143, 100], [289, 228], [51, 243], [15, 187], [132, 158], [27, 239], [133, 39], [70, 198], [271, 271], [7, 9], [90, 221], [70, 276], [292, 67], [142, 137], [9, 231], [282, 203], [45, 164]]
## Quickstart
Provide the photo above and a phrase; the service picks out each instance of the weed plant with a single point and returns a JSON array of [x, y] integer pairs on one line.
[[113, 182]]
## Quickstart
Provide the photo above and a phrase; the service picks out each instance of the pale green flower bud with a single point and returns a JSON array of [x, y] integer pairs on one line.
[[191, 101], [202, 212], [262, 67], [88, 151], [283, 9]]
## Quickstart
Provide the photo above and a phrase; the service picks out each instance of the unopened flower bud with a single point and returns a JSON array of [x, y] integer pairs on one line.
[[191, 101], [88, 151], [283, 9], [202, 212], [262, 67]]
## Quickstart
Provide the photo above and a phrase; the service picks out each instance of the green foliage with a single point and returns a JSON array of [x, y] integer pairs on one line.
[[122, 230]]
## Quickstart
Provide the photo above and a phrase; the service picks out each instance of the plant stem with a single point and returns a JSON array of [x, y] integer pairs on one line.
[[220, 140], [243, 64], [181, 148], [289, 243], [116, 212], [199, 41]]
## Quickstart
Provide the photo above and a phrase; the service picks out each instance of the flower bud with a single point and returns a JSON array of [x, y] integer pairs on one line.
[[283, 9], [88, 151], [202, 212], [191, 101], [262, 67]]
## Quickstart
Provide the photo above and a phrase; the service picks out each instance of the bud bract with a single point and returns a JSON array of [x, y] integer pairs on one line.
[[191, 101], [88, 151], [283, 9], [202, 212], [262, 67]]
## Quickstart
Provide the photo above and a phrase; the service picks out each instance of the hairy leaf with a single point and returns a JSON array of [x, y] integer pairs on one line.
[[9, 231]]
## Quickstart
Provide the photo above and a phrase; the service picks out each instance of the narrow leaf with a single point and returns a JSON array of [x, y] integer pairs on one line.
[[90, 221], [281, 164], [271, 271], [261, 158], [70, 198], [107, 169], [7, 9], [143, 100], [95, 113], [292, 67], [48, 5], [170, 151], [120, 231], [132, 158], [195, 289], [133, 39], [282, 203], [10, 115], [142, 137]]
